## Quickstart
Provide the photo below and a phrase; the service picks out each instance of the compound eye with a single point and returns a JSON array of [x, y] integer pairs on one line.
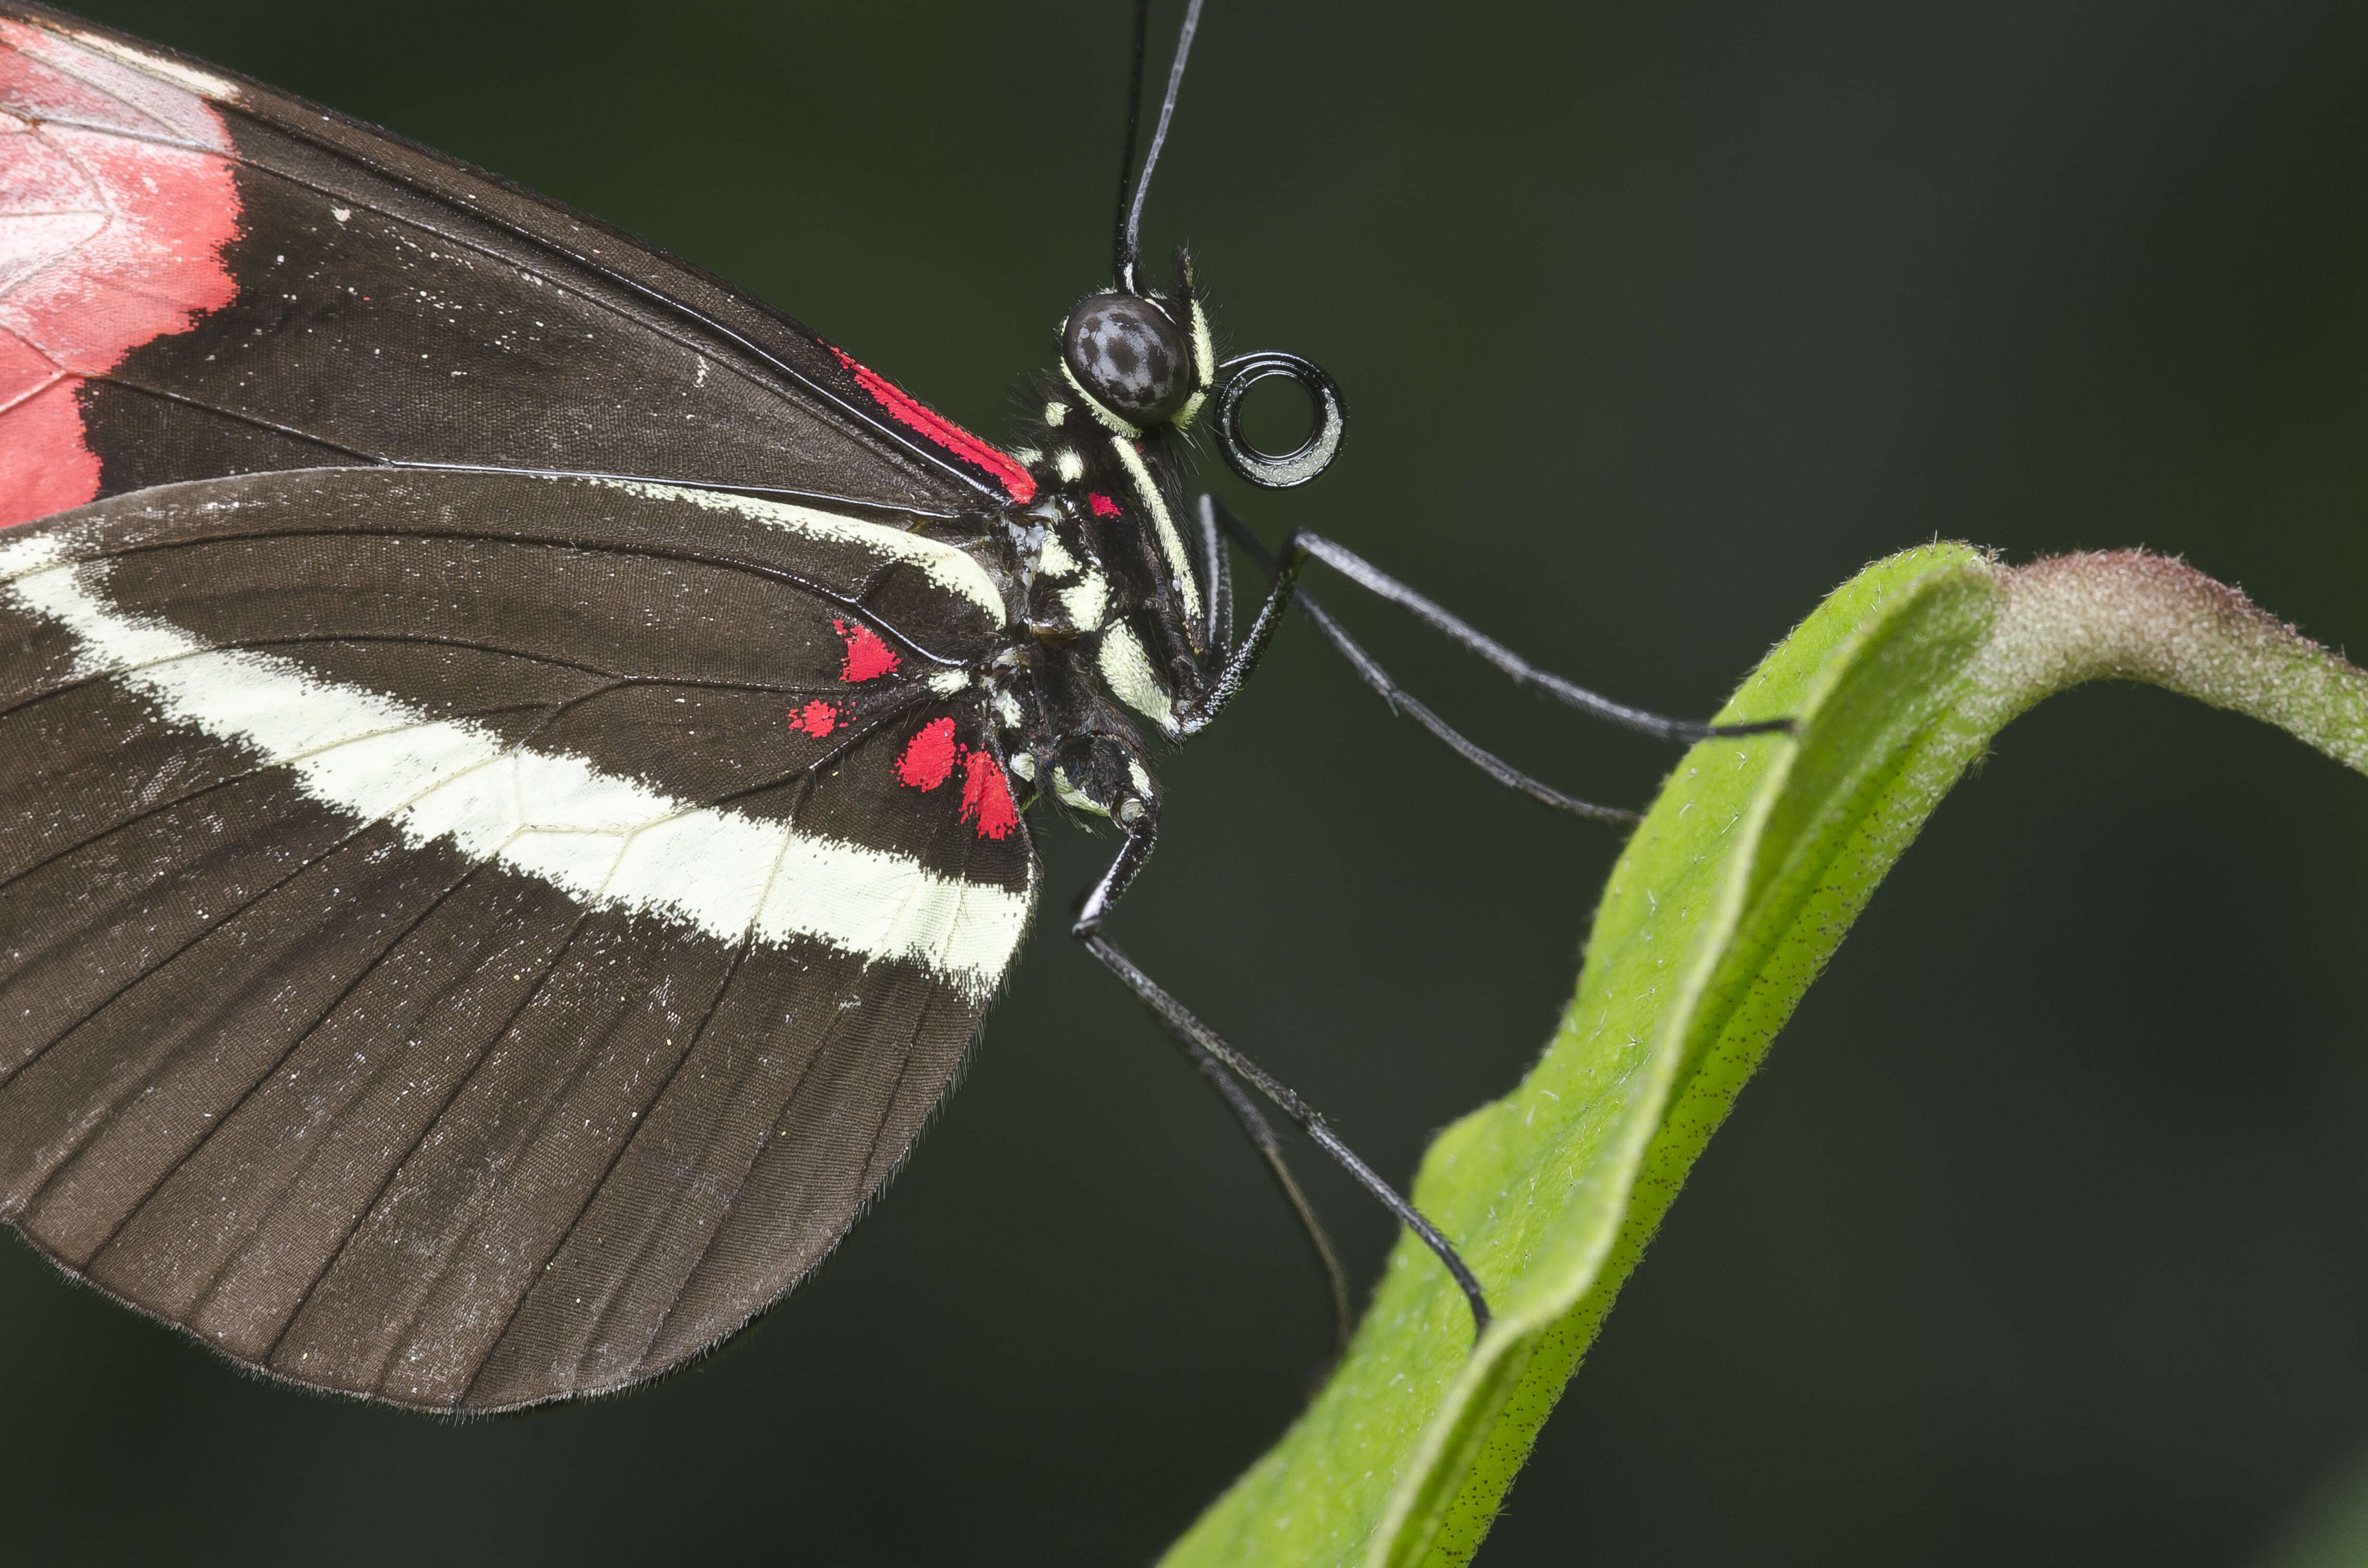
[[1127, 353]]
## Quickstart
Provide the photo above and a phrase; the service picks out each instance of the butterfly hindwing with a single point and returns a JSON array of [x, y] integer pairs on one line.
[[200, 276], [471, 938]]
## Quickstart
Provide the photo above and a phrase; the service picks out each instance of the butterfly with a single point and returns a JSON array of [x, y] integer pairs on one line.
[[515, 758]]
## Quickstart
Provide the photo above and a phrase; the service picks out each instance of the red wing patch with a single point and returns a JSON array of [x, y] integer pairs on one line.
[[940, 431], [986, 798], [868, 658], [928, 759], [1103, 506], [115, 204], [817, 719]]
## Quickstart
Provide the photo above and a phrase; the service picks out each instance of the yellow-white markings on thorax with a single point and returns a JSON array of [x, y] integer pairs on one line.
[[1084, 602], [1088, 602], [1068, 465], [1069, 795], [1055, 560], [1171, 543], [1126, 670], [1204, 368]]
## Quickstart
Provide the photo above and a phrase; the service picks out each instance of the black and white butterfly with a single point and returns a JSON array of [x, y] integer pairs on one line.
[[513, 756]]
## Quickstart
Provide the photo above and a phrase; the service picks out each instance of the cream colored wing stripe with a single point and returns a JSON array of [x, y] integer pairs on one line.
[[604, 838], [943, 564]]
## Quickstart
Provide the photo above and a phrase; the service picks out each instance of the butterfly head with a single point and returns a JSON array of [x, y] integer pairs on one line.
[[1141, 361]]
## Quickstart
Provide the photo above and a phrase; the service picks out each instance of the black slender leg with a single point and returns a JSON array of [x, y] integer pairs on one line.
[[1380, 583], [1303, 547], [1402, 701], [1219, 1062], [1097, 903], [1243, 661], [1269, 1148], [1217, 570], [1201, 1040]]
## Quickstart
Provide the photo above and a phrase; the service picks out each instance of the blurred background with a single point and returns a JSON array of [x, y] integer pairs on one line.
[[2044, 1236]]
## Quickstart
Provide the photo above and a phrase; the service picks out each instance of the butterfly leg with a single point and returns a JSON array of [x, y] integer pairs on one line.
[[1244, 659], [1283, 576], [1261, 1136], [1269, 1148], [1381, 584], [1204, 1042], [1217, 572]]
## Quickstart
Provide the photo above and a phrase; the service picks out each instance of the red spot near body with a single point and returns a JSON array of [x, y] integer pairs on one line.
[[1103, 506], [928, 759], [816, 718], [908, 412], [986, 798], [107, 240], [867, 658]]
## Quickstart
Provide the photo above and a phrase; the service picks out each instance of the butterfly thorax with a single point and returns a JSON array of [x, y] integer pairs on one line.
[[1110, 640]]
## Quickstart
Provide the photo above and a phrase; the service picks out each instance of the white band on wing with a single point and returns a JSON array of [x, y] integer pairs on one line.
[[602, 837], [943, 564]]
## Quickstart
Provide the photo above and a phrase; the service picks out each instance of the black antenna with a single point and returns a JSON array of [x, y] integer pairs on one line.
[[1122, 236], [1134, 223]]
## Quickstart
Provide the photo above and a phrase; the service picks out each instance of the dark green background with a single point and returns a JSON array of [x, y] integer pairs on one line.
[[2044, 1236]]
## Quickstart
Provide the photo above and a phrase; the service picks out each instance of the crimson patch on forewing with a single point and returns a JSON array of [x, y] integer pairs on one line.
[[910, 412], [365, 1010], [116, 200], [393, 305]]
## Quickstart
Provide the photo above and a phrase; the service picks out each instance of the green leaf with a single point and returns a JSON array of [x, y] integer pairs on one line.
[[2330, 1529], [1727, 903]]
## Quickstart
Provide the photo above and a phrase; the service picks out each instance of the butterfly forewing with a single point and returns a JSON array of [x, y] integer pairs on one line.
[[200, 276], [477, 920], [470, 939]]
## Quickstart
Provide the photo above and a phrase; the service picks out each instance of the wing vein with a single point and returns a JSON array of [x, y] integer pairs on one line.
[[169, 135], [624, 1144], [294, 1045], [427, 1126], [756, 569], [293, 431]]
